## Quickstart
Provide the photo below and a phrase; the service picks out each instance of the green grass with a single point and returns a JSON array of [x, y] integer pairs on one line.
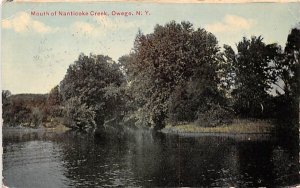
[[238, 126]]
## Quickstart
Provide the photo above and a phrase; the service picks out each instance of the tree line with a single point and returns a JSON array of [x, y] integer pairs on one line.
[[173, 75]]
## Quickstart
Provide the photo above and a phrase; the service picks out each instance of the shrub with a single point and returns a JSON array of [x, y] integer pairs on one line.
[[37, 117], [78, 114], [214, 116]]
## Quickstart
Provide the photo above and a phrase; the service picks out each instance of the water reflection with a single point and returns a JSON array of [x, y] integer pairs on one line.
[[143, 158]]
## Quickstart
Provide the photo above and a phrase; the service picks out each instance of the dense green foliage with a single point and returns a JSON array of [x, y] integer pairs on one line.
[[89, 90], [173, 74], [262, 79], [78, 114], [251, 75], [289, 72], [176, 74]]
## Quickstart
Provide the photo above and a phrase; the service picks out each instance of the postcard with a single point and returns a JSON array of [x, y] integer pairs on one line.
[[150, 94]]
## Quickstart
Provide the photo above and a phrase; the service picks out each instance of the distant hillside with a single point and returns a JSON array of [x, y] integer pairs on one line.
[[31, 110], [30, 99]]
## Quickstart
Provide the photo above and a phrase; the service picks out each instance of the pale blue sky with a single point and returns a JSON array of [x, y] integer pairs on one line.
[[36, 51]]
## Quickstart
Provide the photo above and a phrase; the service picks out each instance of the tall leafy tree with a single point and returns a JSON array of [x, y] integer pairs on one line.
[[251, 73], [164, 62], [291, 68], [289, 74]]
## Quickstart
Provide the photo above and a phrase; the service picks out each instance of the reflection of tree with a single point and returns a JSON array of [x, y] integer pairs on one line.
[[285, 157], [255, 162], [269, 164], [211, 161], [143, 158], [179, 161], [94, 161]]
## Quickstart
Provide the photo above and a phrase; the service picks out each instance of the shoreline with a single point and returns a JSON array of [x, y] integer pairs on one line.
[[59, 127], [234, 136], [237, 127]]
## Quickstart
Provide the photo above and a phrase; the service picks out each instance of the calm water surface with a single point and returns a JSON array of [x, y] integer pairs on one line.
[[142, 158]]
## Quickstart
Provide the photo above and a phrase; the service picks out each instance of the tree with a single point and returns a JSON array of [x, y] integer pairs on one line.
[[251, 73], [6, 105], [164, 62], [91, 80], [54, 97], [5, 95], [53, 107], [289, 73], [291, 69]]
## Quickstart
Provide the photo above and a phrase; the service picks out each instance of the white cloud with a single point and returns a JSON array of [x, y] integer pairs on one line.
[[83, 27], [115, 23], [23, 23], [101, 26], [231, 23]]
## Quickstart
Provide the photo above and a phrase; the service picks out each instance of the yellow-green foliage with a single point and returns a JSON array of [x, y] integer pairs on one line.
[[238, 126]]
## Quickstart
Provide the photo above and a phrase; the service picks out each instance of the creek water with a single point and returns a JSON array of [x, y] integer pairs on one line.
[[141, 158]]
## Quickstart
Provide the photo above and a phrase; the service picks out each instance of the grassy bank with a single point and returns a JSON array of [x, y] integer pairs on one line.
[[238, 126], [58, 127], [56, 124]]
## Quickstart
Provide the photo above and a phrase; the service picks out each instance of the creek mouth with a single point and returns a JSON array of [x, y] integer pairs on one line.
[[145, 158]]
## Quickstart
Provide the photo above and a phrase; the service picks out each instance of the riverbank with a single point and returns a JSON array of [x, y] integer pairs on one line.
[[59, 127], [238, 126]]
